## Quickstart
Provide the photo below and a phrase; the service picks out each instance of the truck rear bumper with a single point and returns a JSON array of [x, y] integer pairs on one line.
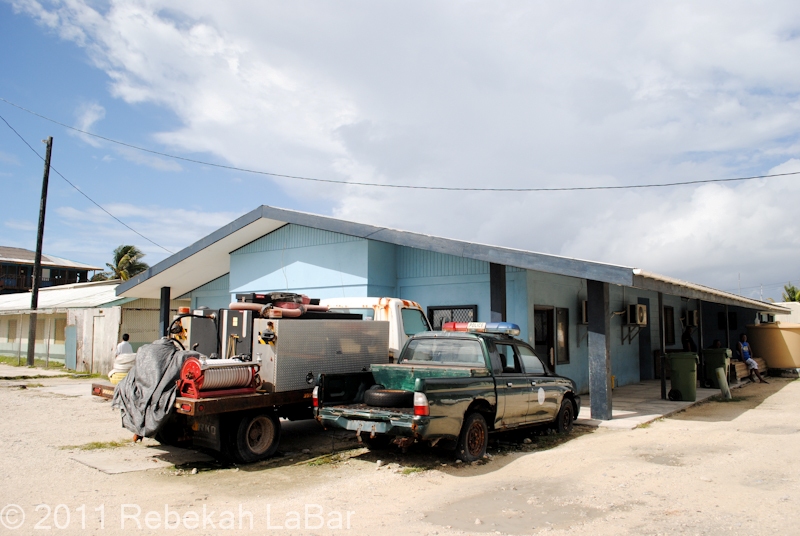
[[394, 424]]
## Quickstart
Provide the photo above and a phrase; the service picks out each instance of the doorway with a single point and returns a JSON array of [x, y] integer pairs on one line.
[[544, 334]]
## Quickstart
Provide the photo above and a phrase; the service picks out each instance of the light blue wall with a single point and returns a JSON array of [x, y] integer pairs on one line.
[[382, 269], [214, 294], [437, 279], [625, 354], [294, 258]]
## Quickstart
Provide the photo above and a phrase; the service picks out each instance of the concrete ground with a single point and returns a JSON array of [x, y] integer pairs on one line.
[[638, 404]]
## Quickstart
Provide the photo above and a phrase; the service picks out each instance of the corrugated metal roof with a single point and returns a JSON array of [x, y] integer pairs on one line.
[[25, 256], [671, 285], [76, 296]]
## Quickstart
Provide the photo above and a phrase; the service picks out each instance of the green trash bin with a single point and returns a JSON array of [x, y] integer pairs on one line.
[[683, 376], [715, 358]]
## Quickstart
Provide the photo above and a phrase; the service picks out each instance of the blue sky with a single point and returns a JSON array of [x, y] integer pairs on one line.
[[501, 94]]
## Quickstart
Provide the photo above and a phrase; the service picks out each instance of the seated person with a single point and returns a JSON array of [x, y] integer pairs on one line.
[[745, 353]]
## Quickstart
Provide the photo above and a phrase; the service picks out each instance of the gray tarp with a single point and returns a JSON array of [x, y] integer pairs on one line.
[[146, 395]]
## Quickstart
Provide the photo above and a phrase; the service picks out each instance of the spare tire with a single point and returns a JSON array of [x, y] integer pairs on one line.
[[389, 398]]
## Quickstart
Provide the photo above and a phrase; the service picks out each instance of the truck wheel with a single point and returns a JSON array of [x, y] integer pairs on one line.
[[389, 398], [565, 417], [254, 437], [473, 439]]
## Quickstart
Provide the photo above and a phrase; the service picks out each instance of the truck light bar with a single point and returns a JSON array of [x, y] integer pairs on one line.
[[482, 327]]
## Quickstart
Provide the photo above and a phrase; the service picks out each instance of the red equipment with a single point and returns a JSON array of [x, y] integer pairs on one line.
[[204, 378]]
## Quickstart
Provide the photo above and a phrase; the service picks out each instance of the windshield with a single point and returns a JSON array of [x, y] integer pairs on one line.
[[366, 314], [444, 351], [413, 321]]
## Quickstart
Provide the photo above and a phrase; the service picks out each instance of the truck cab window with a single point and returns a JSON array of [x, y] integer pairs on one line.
[[510, 363], [366, 313], [413, 321], [530, 362], [451, 352]]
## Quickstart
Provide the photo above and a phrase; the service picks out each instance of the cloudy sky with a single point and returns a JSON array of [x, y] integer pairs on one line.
[[456, 94]]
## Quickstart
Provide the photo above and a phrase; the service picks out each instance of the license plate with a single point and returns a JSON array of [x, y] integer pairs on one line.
[[367, 426]]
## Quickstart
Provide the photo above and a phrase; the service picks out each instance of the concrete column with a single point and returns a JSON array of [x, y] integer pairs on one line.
[[497, 292], [163, 318], [599, 350]]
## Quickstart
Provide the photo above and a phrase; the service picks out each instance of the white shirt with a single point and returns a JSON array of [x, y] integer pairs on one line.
[[124, 348]]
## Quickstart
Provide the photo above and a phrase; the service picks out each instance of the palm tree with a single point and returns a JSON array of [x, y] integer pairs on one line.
[[126, 264], [791, 293]]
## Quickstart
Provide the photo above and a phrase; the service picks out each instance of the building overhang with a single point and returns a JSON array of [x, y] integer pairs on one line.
[[676, 287]]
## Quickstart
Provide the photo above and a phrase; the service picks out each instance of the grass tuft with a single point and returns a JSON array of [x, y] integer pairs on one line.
[[97, 445]]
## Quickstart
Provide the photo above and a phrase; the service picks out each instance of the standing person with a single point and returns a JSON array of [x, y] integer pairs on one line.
[[746, 354], [124, 347], [687, 340]]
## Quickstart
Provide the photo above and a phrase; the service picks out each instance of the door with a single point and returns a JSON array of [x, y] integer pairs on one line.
[[71, 347], [514, 386], [545, 391], [543, 334], [98, 335]]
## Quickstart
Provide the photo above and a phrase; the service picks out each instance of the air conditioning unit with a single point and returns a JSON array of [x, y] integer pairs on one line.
[[585, 312], [693, 318], [637, 314]]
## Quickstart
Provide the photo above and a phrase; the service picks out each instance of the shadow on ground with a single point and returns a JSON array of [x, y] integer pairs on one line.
[[744, 398]]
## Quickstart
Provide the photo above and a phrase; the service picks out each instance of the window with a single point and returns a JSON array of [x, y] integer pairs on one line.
[[40, 330], [366, 313], [530, 362], [669, 326], [562, 338], [12, 331], [438, 315], [451, 352], [61, 325], [721, 324], [413, 321], [733, 321], [507, 360]]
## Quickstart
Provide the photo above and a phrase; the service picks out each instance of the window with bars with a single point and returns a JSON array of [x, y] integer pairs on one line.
[[439, 314]]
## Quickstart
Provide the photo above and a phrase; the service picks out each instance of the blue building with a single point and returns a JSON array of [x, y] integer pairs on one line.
[[576, 313]]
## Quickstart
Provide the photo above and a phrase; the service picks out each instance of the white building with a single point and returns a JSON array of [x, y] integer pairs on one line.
[[79, 324]]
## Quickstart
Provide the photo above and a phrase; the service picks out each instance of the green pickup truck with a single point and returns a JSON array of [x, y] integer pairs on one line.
[[450, 387]]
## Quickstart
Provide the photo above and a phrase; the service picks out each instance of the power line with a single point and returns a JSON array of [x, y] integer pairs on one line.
[[399, 186], [79, 190]]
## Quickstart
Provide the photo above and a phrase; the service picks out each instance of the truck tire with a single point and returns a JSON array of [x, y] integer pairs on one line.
[[254, 437], [473, 439], [389, 398], [565, 417]]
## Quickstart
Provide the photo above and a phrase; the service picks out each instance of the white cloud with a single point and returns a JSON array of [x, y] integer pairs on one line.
[[88, 114], [90, 231], [499, 94]]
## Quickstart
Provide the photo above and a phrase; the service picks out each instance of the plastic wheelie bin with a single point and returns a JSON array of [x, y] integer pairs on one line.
[[683, 376], [715, 358]]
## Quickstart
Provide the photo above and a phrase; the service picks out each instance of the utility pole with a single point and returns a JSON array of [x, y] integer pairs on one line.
[[37, 263]]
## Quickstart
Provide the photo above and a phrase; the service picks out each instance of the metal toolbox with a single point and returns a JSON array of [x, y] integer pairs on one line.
[[302, 349]]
